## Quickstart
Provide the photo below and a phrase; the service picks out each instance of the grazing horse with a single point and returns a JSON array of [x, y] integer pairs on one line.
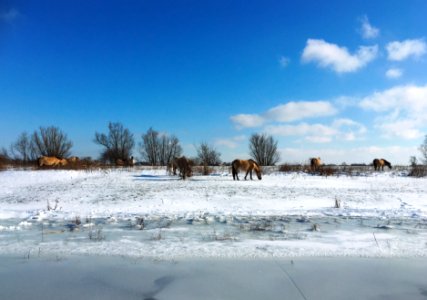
[[315, 163], [380, 163], [183, 164], [245, 165], [51, 161]]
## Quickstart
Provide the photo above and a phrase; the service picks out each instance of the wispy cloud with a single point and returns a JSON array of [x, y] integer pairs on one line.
[[393, 73], [340, 129], [232, 143], [291, 111], [398, 51], [247, 120], [9, 15], [402, 111], [337, 58], [284, 61], [367, 30], [317, 133]]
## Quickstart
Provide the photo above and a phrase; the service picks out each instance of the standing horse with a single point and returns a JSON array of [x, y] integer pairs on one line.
[[379, 164], [183, 165], [245, 165], [315, 163], [51, 161]]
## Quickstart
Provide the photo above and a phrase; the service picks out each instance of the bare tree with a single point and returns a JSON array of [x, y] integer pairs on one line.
[[22, 148], [413, 161], [423, 150], [168, 148], [149, 147], [159, 149], [50, 141], [118, 143], [263, 149], [4, 158], [207, 155]]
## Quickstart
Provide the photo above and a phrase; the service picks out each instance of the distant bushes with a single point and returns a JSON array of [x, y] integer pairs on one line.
[[4, 161], [418, 171], [288, 168], [348, 170], [325, 170]]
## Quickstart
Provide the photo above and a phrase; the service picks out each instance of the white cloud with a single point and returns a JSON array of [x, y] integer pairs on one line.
[[284, 61], [368, 31], [340, 129], [232, 143], [346, 101], [403, 108], [10, 15], [302, 129], [337, 58], [406, 129], [393, 73], [293, 111], [398, 51], [349, 130], [410, 98], [247, 120]]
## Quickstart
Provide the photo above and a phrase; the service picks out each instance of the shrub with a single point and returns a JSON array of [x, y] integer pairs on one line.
[[418, 171], [287, 168], [327, 171]]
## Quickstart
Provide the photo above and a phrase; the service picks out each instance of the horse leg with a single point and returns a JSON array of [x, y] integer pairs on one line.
[[235, 172], [247, 172]]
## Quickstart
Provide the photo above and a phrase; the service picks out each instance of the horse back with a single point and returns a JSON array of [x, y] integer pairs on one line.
[[48, 161]]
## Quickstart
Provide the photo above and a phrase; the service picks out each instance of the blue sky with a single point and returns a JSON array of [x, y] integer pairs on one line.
[[343, 81]]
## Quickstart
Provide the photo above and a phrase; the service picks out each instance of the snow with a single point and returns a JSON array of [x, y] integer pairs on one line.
[[147, 213]]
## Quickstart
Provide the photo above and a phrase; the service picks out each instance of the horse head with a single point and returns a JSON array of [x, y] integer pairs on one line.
[[387, 163], [257, 169]]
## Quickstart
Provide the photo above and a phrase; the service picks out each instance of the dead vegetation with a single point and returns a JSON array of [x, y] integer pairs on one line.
[[418, 171]]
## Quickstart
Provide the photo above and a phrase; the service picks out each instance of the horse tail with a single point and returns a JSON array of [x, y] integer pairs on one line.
[[234, 169]]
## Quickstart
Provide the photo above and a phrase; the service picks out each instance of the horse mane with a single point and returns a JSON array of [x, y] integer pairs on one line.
[[386, 162], [253, 161]]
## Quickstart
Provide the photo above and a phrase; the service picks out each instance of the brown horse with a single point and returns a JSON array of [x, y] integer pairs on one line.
[[184, 165], [315, 163], [247, 166], [379, 164], [51, 161]]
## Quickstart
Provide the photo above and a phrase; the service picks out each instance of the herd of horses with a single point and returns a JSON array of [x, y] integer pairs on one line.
[[184, 165]]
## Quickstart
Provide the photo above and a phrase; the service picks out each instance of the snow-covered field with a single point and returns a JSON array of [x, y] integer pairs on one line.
[[147, 213]]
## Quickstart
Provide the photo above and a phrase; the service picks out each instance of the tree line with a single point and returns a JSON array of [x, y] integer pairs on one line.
[[156, 148]]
